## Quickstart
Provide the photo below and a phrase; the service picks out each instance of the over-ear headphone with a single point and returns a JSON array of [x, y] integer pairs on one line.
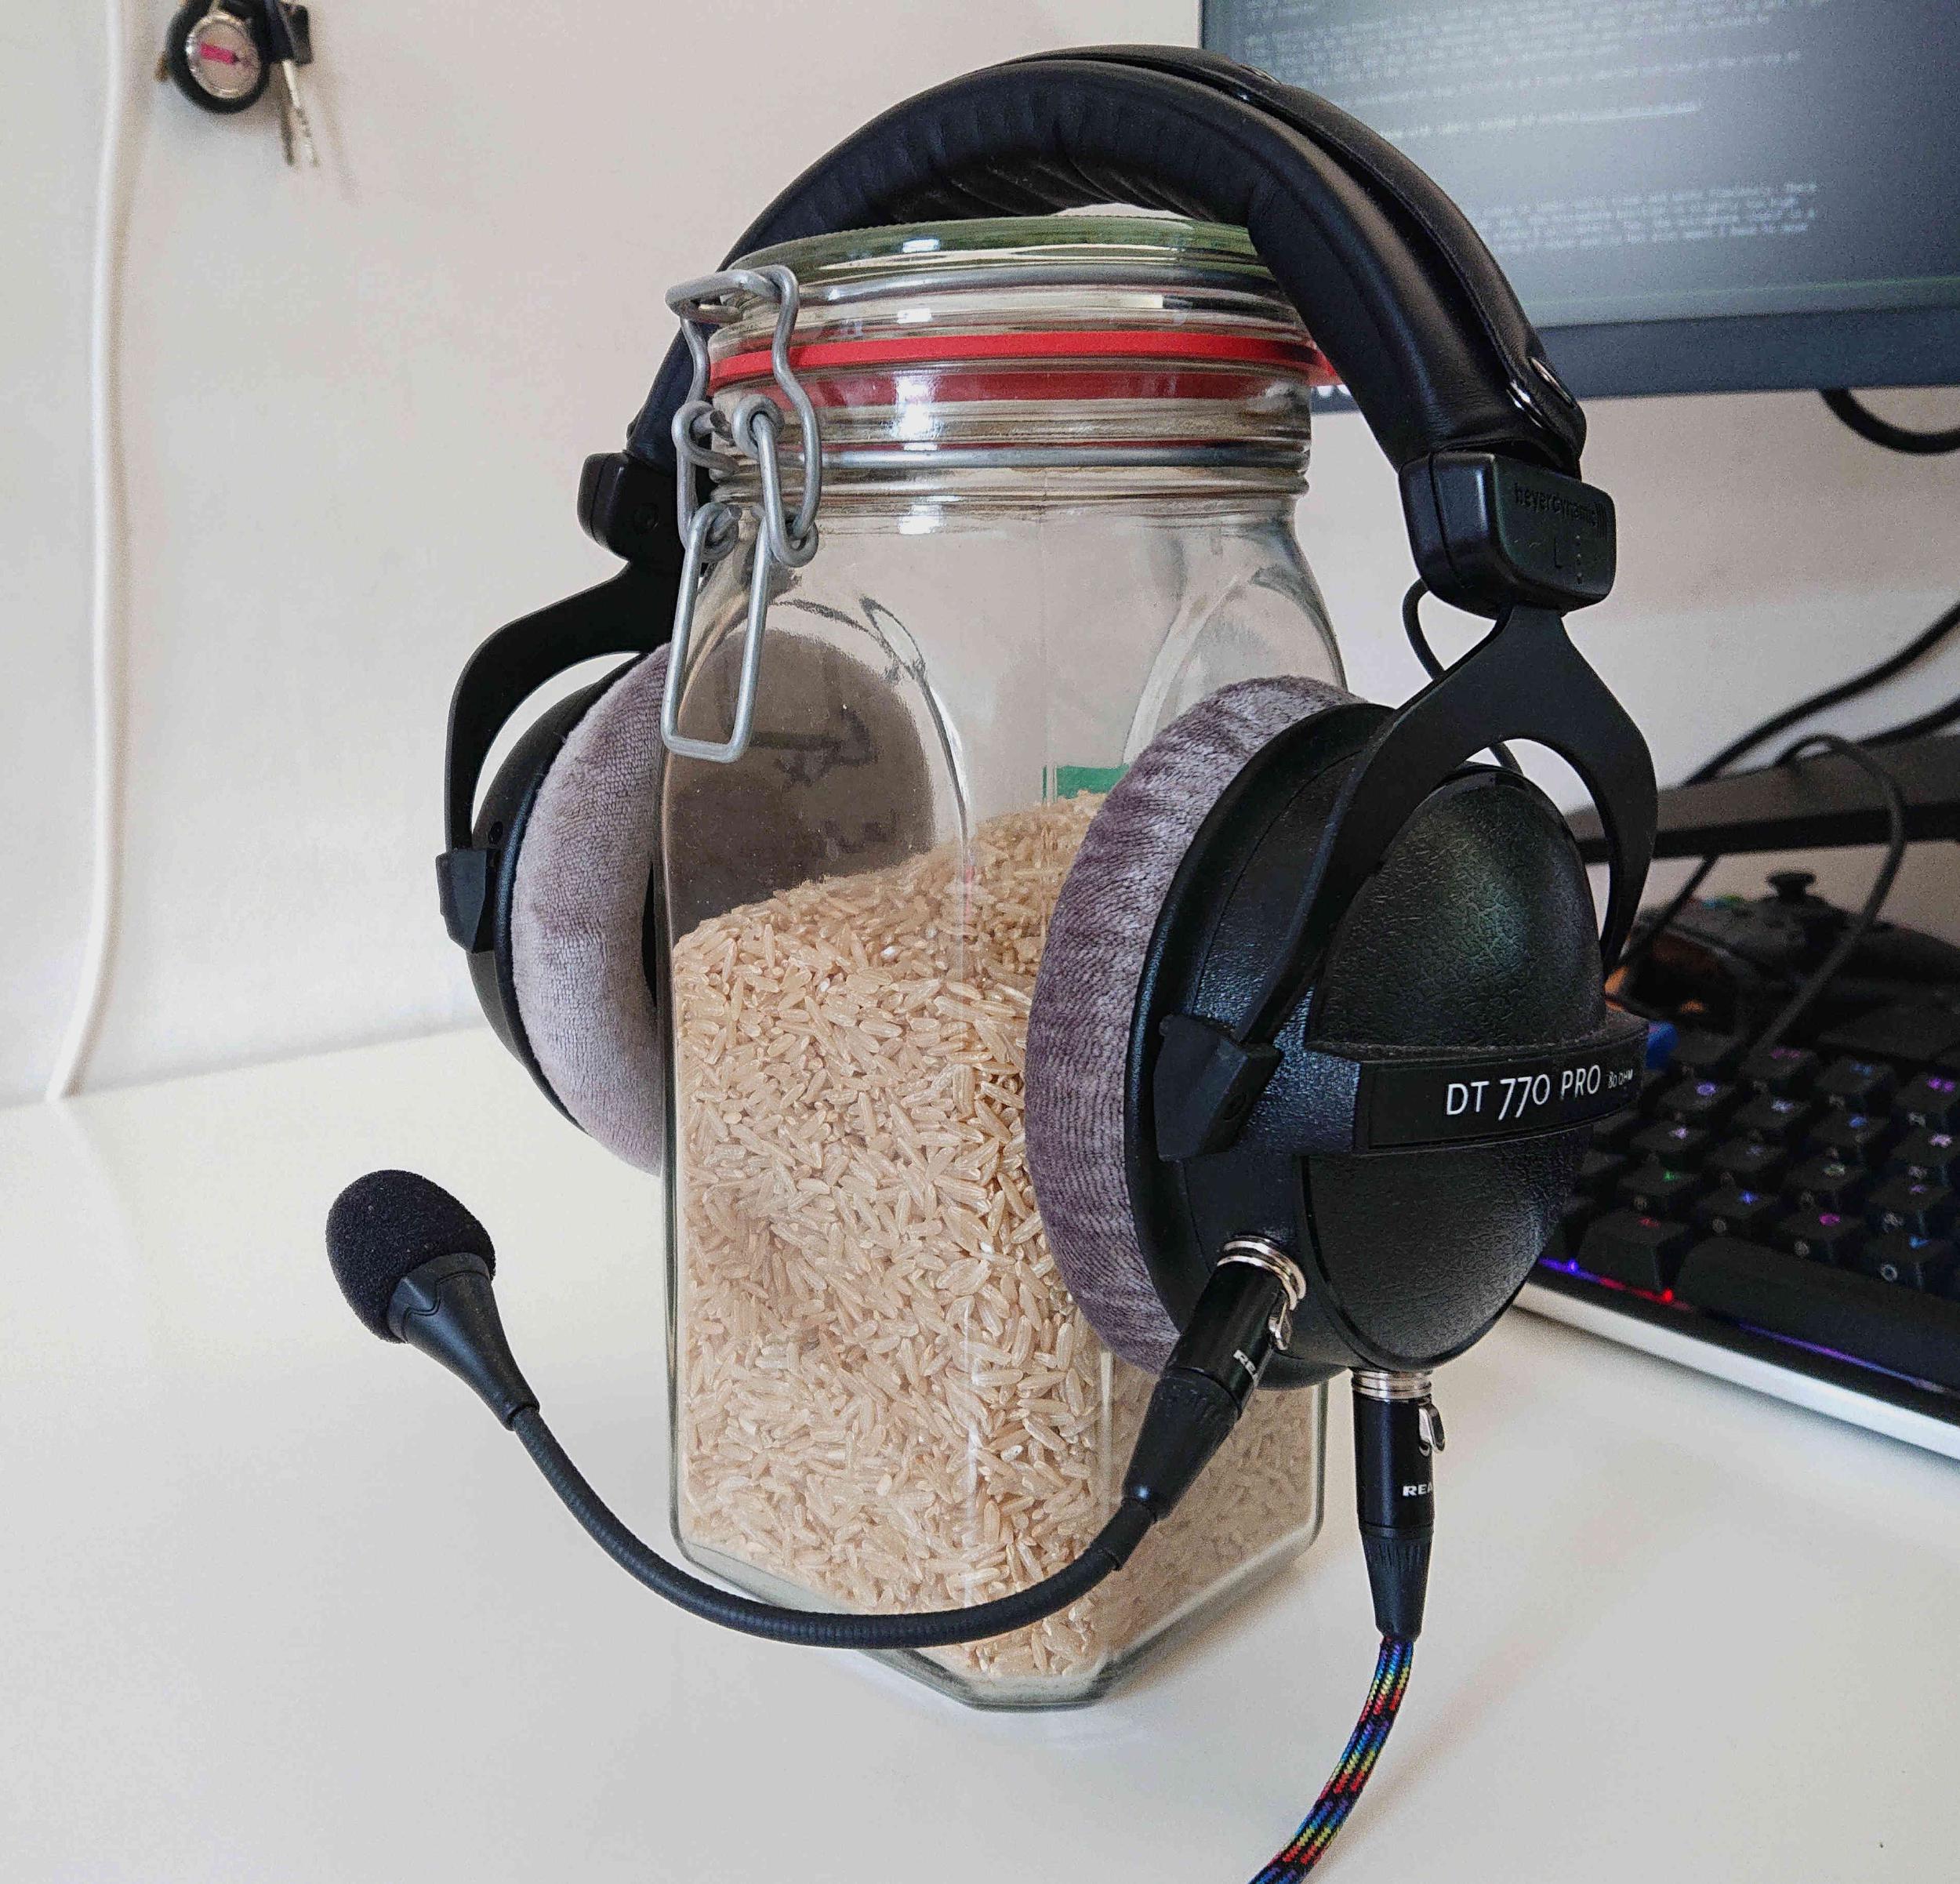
[[1298, 929], [1318, 1028]]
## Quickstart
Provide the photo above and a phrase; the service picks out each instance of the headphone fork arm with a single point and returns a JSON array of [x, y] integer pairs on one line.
[[1210, 1071]]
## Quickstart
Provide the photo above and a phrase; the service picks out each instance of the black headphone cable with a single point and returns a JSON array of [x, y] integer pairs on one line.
[[1858, 754], [1852, 411], [1859, 926]]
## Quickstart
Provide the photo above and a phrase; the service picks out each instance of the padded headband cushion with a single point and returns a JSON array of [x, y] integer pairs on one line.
[[577, 916], [1085, 993], [1402, 185], [1367, 253]]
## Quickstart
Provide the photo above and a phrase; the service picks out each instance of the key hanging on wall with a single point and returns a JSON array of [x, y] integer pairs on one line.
[[220, 55]]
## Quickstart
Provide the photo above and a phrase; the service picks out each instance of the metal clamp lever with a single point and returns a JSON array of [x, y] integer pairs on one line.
[[711, 530]]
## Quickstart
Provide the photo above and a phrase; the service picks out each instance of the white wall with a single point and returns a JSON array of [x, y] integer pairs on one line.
[[354, 405]]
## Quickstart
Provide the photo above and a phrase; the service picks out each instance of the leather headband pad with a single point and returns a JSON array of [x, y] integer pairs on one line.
[[1031, 137], [1430, 219]]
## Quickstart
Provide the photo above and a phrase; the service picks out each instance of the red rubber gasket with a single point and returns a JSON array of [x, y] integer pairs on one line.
[[965, 384], [817, 356]]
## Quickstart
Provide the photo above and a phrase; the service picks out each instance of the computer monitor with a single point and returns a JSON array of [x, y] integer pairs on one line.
[[1690, 195]]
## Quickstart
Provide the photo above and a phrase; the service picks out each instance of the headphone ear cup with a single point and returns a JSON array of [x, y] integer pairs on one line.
[[586, 855], [1086, 990], [1478, 931]]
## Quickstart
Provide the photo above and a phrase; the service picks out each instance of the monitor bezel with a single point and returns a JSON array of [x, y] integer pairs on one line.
[[1746, 353], [1760, 352]]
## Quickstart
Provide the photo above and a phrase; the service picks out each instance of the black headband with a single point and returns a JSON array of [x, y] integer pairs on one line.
[[1358, 245], [1467, 275], [1392, 282]]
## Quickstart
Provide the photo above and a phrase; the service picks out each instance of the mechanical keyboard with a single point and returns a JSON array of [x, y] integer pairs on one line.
[[1788, 1218]]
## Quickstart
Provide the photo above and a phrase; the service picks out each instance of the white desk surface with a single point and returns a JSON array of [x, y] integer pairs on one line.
[[283, 1605]]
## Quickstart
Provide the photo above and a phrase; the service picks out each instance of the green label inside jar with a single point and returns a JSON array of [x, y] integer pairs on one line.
[[1068, 780]]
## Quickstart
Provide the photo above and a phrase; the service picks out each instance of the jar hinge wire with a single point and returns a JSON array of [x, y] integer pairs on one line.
[[710, 530]]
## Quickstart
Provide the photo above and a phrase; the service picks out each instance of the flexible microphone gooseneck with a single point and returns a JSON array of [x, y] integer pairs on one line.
[[416, 1267]]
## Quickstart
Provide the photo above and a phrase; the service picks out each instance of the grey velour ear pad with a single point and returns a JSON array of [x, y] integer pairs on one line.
[[1085, 994], [577, 913], [835, 778]]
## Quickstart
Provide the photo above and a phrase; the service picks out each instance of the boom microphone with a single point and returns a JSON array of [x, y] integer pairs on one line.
[[416, 1267], [383, 1226]]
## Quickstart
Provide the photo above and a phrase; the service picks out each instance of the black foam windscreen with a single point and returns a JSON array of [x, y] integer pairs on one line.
[[388, 1223]]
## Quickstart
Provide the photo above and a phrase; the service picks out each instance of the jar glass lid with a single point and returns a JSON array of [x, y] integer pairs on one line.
[[1085, 246], [1133, 332]]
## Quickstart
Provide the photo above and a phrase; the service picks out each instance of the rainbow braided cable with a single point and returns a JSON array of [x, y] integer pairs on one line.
[[1309, 1844]]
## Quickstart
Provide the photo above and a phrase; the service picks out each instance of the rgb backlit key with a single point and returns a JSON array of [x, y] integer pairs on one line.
[[1916, 1206], [1821, 1235], [1915, 1262]]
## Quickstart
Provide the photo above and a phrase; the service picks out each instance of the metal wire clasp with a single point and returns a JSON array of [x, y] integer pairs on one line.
[[711, 530]]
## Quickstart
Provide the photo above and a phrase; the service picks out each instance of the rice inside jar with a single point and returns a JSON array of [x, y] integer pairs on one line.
[[1061, 460]]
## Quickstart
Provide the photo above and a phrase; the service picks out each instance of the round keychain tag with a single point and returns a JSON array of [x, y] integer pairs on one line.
[[215, 58]]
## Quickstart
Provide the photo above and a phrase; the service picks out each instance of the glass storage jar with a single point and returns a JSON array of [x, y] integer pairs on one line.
[[1061, 457]]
